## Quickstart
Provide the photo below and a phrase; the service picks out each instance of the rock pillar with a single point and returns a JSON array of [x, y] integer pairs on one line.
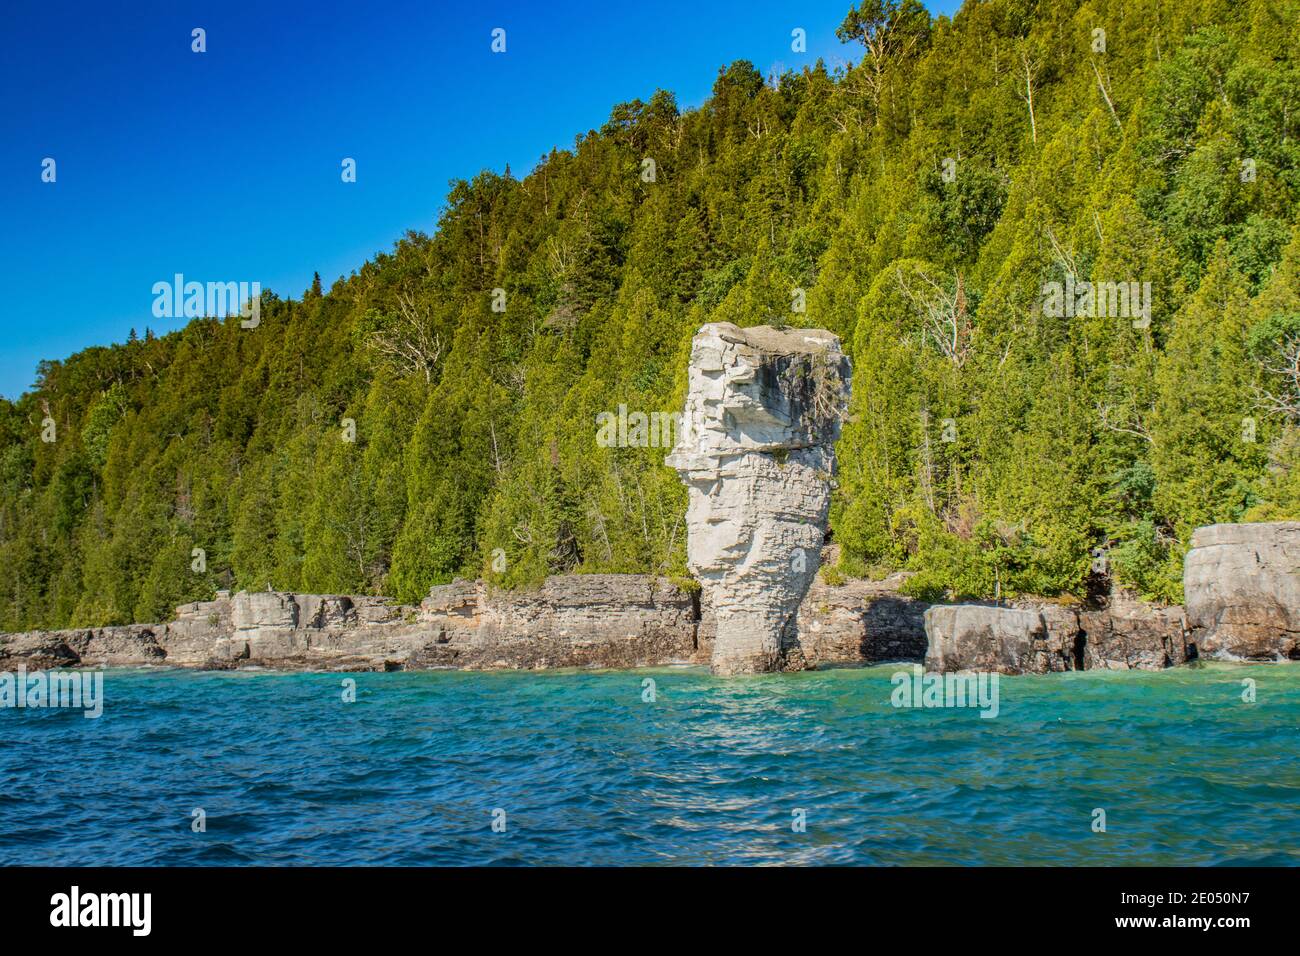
[[757, 452]]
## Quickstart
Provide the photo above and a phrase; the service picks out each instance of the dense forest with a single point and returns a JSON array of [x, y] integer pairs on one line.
[[433, 414]]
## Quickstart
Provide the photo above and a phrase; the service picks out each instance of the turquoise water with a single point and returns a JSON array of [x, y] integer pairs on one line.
[[709, 773]]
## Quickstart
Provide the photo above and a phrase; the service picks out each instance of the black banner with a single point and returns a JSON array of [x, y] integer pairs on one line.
[[213, 905]]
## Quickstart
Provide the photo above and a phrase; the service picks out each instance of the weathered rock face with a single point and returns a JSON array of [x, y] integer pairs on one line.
[[1132, 635], [127, 645], [860, 622], [757, 454], [201, 635], [993, 639], [1241, 583], [595, 620], [1045, 637]]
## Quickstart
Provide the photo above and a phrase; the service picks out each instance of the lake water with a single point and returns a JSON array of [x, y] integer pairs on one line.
[[583, 770]]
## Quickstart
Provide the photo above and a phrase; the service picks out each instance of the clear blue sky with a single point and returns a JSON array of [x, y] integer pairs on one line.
[[225, 165]]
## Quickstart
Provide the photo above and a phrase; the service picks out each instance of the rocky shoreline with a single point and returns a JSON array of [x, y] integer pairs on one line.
[[599, 620], [757, 454], [1241, 585]]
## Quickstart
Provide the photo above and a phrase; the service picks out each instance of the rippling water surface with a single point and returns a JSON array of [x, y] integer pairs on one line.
[[710, 773]]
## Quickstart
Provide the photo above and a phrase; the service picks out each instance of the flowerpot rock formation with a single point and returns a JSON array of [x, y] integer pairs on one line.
[[757, 452]]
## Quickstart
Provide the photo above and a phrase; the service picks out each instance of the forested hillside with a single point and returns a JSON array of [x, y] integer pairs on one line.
[[923, 199]]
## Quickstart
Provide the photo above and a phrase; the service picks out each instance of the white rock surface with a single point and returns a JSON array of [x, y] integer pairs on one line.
[[756, 451]]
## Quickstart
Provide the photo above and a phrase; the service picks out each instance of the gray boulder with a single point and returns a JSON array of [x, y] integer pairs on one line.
[[1242, 588], [973, 637]]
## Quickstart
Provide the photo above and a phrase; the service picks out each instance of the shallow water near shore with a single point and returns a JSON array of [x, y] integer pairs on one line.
[[711, 772]]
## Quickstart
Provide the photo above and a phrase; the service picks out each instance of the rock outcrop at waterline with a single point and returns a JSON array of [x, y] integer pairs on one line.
[[991, 639], [757, 453], [572, 621], [1241, 585], [1046, 637], [595, 620], [1242, 588]]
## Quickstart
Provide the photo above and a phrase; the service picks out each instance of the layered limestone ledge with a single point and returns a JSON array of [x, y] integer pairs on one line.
[[756, 452], [596, 620], [977, 638], [1134, 635], [603, 620]]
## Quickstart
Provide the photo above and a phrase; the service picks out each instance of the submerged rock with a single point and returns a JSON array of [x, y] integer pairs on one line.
[[757, 454], [1241, 583]]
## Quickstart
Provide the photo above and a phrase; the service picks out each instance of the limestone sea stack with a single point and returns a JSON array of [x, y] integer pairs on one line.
[[757, 452]]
